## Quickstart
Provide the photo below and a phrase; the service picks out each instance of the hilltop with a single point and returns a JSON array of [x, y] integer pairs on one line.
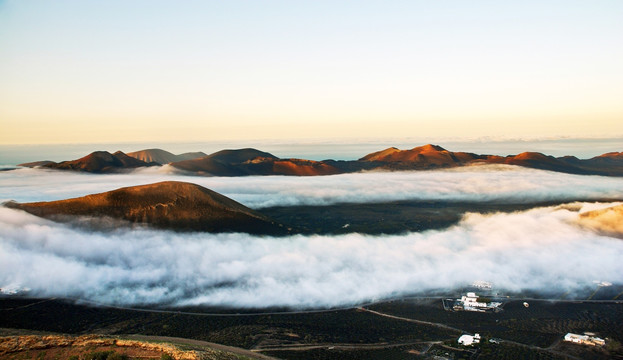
[[96, 162], [243, 162], [169, 205], [421, 157], [164, 157]]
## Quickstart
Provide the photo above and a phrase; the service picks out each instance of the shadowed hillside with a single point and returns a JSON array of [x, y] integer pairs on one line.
[[434, 156], [248, 161], [96, 162], [164, 157]]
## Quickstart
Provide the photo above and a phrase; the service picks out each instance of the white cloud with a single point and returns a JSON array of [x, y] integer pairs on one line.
[[477, 183], [539, 249]]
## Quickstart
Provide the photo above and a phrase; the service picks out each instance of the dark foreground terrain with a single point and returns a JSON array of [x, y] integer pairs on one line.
[[392, 217], [411, 328]]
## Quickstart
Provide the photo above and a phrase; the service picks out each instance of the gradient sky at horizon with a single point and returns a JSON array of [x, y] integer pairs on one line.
[[107, 71]]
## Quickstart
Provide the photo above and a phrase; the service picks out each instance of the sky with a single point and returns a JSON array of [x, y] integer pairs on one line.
[[153, 71]]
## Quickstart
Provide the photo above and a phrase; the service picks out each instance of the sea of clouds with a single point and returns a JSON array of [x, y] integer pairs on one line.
[[475, 183], [540, 249]]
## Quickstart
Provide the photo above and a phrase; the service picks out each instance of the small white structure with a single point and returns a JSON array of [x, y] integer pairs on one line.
[[471, 299], [13, 289], [584, 339], [467, 340], [469, 302], [484, 285]]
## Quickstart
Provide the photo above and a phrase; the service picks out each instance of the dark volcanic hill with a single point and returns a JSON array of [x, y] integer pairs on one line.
[[224, 162], [610, 164], [96, 162], [434, 156], [243, 162], [536, 160], [607, 164], [37, 163], [163, 157], [421, 157], [169, 205]]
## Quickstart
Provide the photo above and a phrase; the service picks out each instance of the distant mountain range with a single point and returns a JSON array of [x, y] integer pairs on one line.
[[170, 205], [243, 162]]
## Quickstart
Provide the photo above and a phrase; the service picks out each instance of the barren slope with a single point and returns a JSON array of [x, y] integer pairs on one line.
[[169, 204], [96, 162]]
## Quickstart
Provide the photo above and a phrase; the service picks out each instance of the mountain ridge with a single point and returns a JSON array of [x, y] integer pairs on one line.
[[95, 162], [164, 157], [250, 161]]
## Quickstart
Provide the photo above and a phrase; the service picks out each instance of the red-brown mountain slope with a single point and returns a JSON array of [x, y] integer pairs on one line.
[[169, 204], [97, 162], [244, 162], [248, 161], [427, 156]]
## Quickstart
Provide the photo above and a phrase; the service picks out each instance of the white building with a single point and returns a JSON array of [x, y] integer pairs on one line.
[[471, 300], [484, 285], [467, 340], [584, 339]]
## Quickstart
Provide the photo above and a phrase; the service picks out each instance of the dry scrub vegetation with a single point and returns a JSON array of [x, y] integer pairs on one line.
[[94, 347]]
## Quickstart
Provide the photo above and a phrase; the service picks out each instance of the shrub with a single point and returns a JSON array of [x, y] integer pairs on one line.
[[117, 356], [97, 355], [106, 355]]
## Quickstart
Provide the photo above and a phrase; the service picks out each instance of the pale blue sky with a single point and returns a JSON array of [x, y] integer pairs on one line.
[[105, 71]]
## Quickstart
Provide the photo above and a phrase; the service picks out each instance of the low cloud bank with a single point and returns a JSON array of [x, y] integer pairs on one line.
[[608, 221], [476, 183], [539, 249]]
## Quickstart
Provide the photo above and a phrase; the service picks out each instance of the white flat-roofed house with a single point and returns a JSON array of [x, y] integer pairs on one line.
[[485, 285], [467, 340], [471, 300], [584, 339], [576, 338], [598, 341]]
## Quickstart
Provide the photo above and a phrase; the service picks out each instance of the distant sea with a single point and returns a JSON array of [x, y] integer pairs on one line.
[[11, 155]]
